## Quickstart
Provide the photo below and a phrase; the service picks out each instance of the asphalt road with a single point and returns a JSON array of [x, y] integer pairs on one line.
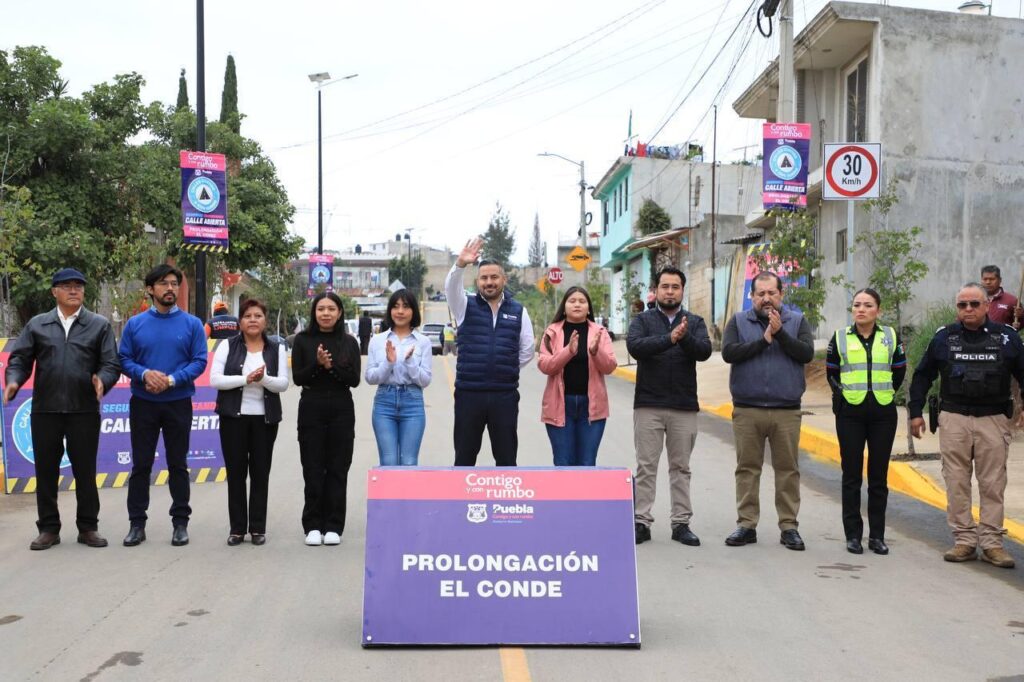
[[285, 611]]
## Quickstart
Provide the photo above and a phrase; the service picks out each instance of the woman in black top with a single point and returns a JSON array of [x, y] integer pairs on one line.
[[325, 362]]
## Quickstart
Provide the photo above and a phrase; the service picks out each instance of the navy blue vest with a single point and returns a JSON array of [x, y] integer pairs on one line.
[[229, 403], [488, 357]]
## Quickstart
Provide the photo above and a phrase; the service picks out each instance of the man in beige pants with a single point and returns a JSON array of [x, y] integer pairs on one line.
[[976, 358], [667, 343]]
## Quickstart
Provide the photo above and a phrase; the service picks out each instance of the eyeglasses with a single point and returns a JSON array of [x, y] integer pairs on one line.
[[71, 286], [169, 283], [963, 305]]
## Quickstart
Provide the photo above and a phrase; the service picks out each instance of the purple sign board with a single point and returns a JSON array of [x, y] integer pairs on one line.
[[114, 456], [784, 168], [499, 556], [204, 201]]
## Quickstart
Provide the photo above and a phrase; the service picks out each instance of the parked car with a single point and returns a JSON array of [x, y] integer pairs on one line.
[[434, 332], [438, 296]]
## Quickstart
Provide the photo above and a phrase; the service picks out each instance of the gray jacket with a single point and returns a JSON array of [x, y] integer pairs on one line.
[[767, 374], [64, 367]]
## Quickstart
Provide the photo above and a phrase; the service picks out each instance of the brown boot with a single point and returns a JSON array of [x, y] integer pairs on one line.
[[961, 553], [46, 540], [92, 538], [998, 556]]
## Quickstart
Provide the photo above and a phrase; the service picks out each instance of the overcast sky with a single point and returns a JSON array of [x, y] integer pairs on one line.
[[454, 99]]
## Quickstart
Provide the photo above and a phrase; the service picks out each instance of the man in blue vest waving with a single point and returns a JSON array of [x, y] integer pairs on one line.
[[495, 339]]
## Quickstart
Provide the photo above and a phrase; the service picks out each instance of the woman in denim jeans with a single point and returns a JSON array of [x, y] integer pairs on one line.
[[399, 361], [575, 354]]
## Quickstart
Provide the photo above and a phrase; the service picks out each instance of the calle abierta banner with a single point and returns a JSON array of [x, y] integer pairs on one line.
[[114, 457], [204, 201], [784, 167], [492, 556]]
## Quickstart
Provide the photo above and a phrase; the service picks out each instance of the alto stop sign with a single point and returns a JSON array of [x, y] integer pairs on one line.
[[555, 275]]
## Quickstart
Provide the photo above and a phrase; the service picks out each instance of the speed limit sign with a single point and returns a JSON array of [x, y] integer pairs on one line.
[[852, 171]]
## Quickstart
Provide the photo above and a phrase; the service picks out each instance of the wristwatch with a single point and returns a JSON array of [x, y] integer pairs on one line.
[[170, 381]]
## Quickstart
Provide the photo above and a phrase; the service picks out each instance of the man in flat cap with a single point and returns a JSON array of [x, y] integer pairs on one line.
[[76, 364]]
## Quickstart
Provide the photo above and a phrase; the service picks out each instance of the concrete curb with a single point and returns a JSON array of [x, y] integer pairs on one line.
[[824, 446]]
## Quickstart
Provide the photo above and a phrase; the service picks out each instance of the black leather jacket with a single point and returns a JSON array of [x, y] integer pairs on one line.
[[666, 374], [64, 367]]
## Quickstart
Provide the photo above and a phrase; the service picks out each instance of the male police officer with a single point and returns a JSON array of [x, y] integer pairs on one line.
[[976, 358]]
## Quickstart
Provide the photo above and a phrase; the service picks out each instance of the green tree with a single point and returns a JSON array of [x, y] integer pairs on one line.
[[499, 239], [182, 104], [229, 115], [652, 218], [894, 257], [283, 290], [410, 270], [794, 256], [538, 250], [600, 292]]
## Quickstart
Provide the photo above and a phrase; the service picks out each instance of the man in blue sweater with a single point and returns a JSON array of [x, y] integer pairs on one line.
[[767, 347], [163, 350]]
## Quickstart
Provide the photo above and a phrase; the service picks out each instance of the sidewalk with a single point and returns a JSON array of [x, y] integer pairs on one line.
[[921, 479]]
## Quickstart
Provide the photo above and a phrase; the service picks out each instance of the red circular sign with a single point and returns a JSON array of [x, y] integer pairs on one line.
[[855, 149], [555, 275]]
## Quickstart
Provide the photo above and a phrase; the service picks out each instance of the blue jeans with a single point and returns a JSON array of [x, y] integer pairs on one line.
[[576, 443], [398, 423]]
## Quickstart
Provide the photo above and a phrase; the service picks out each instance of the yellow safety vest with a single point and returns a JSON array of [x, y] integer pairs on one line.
[[853, 366]]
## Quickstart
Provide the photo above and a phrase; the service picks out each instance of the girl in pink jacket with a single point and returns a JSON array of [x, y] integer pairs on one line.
[[575, 353]]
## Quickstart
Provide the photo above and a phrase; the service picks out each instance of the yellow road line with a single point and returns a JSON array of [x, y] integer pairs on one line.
[[514, 667]]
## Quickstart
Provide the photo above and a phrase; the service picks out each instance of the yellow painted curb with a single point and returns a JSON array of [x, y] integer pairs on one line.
[[824, 446]]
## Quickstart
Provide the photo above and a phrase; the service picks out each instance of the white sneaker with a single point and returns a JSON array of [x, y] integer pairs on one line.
[[331, 538], [314, 538]]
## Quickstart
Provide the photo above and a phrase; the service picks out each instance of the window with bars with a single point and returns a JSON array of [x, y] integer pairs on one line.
[[857, 102], [841, 246]]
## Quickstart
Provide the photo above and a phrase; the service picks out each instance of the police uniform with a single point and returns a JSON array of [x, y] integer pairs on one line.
[[975, 367], [865, 374]]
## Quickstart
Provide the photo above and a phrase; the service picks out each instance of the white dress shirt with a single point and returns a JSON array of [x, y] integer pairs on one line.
[[416, 369], [252, 394], [67, 321], [458, 300]]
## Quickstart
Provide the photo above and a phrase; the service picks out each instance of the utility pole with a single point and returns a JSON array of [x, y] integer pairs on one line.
[[583, 208], [714, 226], [200, 147], [786, 110]]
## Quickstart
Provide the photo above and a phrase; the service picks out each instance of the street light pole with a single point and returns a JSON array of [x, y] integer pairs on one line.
[[200, 308], [583, 195], [322, 79]]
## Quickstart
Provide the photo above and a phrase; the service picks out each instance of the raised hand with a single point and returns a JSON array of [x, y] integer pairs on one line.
[[470, 252], [389, 350], [574, 342], [680, 331]]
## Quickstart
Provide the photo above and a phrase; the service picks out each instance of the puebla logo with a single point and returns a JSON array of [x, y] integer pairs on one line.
[[785, 162], [203, 194]]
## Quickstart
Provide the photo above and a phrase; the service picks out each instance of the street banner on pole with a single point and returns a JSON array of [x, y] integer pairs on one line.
[[784, 167], [492, 556], [321, 273], [204, 201], [114, 456]]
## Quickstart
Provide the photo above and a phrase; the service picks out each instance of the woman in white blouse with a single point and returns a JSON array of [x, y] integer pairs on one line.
[[399, 361], [249, 372]]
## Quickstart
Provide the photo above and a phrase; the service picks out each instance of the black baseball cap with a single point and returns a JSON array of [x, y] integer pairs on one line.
[[67, 275]]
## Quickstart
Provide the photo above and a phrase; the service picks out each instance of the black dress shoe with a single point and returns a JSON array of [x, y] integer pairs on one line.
[[234, 540], [853, 546], [92, 539], [180, 536], [741, 536], [259, 538], [682, 533], [792, 540], [45, 540], [136, 535], [643, 533], [878, 546]]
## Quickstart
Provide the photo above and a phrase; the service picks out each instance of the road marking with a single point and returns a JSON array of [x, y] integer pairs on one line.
[[514, 667]]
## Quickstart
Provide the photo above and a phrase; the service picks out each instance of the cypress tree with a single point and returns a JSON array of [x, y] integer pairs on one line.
[[229, 97], [182, 93]]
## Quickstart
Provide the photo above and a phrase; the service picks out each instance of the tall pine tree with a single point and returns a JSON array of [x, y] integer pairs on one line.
[[182, 104], [229, 98], [499, 239], [537, 253]]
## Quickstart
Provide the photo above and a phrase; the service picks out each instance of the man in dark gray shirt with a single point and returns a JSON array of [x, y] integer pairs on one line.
[[767, 347]]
